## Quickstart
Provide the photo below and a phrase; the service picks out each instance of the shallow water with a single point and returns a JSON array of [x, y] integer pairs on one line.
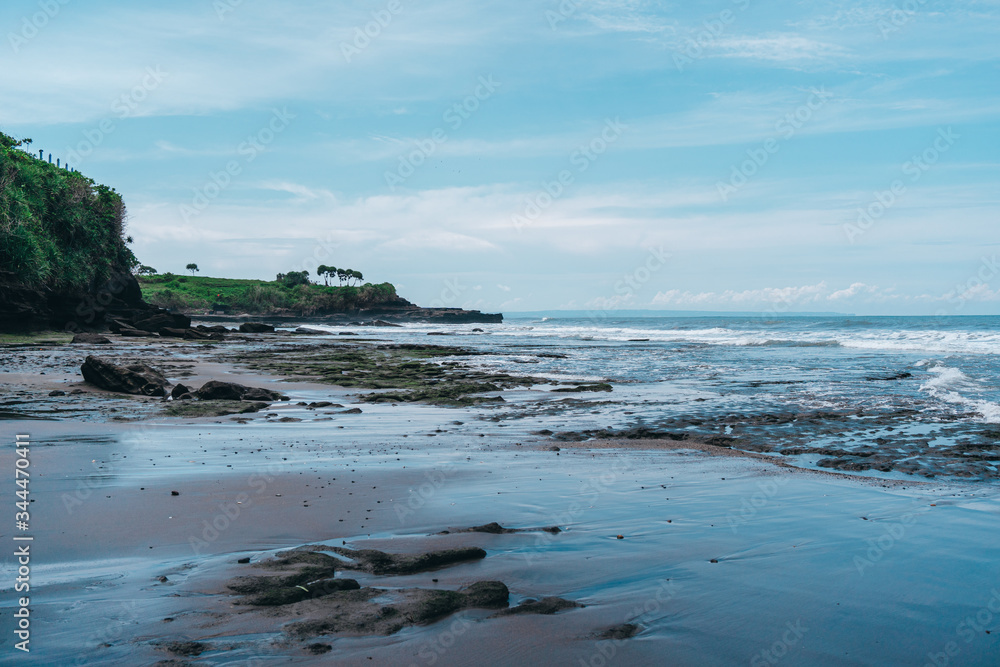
[[873, 575]]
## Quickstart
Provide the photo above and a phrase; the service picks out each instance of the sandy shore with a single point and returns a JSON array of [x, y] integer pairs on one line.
[[721, 559]]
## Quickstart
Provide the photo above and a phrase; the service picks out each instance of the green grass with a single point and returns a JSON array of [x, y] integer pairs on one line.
[[261, 297], [58, 229]]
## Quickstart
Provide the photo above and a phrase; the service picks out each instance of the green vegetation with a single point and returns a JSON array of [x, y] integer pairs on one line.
[[193, 293], [58, 229], [409, 371]]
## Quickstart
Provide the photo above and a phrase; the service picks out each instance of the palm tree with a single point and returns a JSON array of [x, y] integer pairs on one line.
[[193, 268]]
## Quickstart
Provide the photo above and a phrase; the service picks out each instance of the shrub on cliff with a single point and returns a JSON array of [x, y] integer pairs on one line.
[[58, 228]]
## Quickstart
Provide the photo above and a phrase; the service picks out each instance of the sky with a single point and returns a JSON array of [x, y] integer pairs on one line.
[[527, 155]]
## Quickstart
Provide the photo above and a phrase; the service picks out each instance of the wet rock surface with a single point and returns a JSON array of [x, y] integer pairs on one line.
[[131, 379], [301, 585]]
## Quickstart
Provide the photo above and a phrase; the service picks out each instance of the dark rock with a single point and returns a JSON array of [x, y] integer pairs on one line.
[[597, 386], [230, 391], [547, 606], [186, 648], [131, 379], [352, 411], [319, 649], [90, 339], [256, 327], [164, 320], [379, 562], [889, 378], [57, 393], [243, 561], [347, 333], [179, 390], [623, 631]]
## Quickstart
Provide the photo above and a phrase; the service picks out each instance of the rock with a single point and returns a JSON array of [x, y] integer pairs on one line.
[[383, 323], [162, 320], [131, 379], [256, 327], [623, 631], [889, 378], [57, 393], [230, 391], [477, 330], [216, 328], [90, 339], [243, 561], [319, 649], [178, 391], [549, 605], [352, 411], [314, 332], [169, 332], [347, 333]]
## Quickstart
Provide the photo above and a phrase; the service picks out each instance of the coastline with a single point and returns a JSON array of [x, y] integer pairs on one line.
[[724, 547]]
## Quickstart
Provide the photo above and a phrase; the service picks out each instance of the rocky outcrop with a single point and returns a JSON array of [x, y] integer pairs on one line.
[[256, 327], [90, 339], [74, 311], [216, 390], [132, 379]]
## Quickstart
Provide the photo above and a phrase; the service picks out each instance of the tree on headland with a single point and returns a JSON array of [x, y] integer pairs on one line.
[[193, 268], [293, 278], [146, 270]]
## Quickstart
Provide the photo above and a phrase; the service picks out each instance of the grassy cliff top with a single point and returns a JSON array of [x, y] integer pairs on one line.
[[198, 293], [58, 229]]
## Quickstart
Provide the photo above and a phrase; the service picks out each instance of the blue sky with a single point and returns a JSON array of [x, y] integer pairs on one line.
[[588, 154]]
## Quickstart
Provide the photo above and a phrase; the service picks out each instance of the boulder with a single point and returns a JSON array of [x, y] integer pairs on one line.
[[162, 320], [256, 327], [216, 328], [131, 379], [170, 332], [90, 339], [230, 391]]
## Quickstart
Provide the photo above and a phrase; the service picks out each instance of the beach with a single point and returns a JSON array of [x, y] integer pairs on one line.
[[671, 549]]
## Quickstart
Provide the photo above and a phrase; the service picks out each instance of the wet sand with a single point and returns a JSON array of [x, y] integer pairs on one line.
[[722, 559]]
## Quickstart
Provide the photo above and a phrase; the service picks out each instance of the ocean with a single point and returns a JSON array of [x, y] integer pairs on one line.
[[870, 395]]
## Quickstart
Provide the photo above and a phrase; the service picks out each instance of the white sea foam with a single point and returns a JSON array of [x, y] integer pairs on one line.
[[948, 384]]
